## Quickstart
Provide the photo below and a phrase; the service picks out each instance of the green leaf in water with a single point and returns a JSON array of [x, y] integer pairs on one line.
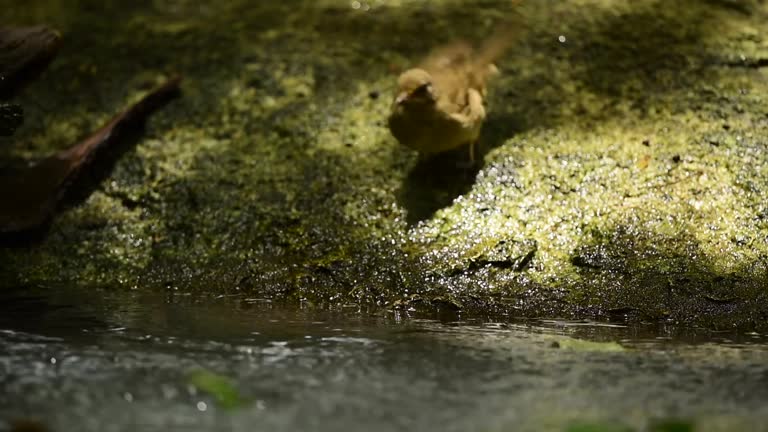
[[672, 426], [217, 386], [583, 345], [597, 427]]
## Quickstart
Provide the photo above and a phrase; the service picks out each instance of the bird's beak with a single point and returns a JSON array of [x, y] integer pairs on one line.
[[402, 96]]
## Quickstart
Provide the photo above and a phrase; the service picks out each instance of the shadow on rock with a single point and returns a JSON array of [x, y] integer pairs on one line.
[[641, 55], [499, 126], [650, 50], [435, 183], [643, 275]]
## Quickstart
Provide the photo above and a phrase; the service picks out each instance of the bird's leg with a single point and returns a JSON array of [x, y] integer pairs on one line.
[[468, 164]]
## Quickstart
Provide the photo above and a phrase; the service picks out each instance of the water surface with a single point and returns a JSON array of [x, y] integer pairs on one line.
[[124, 361]]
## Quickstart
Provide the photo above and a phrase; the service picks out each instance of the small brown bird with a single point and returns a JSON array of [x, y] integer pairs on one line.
[[439, 105]]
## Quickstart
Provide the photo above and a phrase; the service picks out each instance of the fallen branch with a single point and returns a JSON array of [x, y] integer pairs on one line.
[[29, 197]]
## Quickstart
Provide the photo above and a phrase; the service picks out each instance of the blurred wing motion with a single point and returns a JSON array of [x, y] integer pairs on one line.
[[457, 67]]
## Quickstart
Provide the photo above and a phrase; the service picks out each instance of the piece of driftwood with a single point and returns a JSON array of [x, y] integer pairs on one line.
[[30, 196], [24, 53]]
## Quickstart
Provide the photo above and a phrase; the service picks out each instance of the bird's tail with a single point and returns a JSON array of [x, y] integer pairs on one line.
[[507, 33]]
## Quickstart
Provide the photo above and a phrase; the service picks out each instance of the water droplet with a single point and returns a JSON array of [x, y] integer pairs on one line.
[[561, 39], [202, 406]]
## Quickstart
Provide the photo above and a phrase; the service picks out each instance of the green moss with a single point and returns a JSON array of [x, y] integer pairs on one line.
[[624, 169]]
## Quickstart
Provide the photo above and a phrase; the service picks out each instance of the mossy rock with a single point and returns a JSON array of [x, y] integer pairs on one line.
[[624, 158]]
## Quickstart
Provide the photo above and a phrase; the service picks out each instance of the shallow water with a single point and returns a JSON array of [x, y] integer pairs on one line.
[[123, 361]]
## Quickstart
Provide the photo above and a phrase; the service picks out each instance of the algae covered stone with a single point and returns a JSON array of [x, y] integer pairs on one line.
[[626, 142]]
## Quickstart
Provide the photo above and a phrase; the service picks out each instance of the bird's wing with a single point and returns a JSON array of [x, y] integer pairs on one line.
[[473, 113], [457, 68], [449, 66]]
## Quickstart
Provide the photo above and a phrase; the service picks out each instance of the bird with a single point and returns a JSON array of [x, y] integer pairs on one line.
[[439, 104]]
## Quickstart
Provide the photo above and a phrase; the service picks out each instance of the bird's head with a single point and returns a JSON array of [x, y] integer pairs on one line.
[[415, 86]]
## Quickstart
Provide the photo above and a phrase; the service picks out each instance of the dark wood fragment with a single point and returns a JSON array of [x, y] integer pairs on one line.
[[30, 196], [11, 117], [24, 53]]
